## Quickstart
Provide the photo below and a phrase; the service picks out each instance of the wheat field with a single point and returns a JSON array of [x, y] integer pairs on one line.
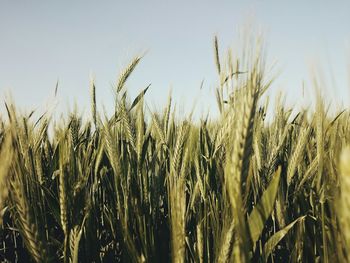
[[149, 186]]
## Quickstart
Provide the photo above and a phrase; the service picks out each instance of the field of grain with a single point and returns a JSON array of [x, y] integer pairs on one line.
[[143, 186]]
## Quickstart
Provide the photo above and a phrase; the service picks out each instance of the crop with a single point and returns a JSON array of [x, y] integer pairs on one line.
[[149, 186]]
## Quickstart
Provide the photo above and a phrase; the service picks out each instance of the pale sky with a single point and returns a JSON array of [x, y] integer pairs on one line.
[[43, 41]]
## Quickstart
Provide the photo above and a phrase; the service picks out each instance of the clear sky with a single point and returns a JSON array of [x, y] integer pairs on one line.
[[43, 41]]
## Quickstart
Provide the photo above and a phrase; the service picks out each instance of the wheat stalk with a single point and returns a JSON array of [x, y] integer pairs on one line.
[[344, 209], [93, 101], [29, 228], [126, 73], [6, 155]]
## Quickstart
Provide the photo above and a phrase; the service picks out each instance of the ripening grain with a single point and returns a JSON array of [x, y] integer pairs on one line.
[[142, 186]]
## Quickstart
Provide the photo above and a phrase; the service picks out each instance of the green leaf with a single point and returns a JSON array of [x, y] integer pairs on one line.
[[277, 237], [263, 209], [139, 97]]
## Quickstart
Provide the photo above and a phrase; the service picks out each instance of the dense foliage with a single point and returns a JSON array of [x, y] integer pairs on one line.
[[151, 187]]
